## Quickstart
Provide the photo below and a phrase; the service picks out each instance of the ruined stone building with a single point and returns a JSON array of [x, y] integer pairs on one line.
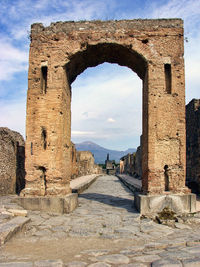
[[132, 163], [154, 50], [85, 164], [110, 166], [193, 144], [60, 52], [12, 158], [126, 164]]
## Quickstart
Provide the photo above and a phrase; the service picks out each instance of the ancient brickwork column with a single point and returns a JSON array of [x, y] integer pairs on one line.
[[164, 111], [48, 128]]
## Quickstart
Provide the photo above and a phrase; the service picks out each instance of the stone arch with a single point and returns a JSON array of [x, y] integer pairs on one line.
[[151, 48], [97, 54]]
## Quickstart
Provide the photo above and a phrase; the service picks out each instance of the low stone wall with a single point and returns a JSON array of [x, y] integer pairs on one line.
[[12, 154]]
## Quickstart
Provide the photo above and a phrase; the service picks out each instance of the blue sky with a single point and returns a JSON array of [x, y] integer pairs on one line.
[[112, 113]]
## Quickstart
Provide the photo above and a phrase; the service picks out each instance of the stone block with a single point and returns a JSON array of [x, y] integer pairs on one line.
[[48, 263], [64, 204], [191, 262], [17, 212], [10, 228], [152, 204], [167, 263]]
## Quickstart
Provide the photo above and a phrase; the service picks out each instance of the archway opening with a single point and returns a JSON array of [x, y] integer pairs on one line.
[[107, 107], [96, 55]]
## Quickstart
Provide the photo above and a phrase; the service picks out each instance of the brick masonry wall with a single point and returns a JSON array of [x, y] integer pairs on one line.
[[193, 144], [12, 157]]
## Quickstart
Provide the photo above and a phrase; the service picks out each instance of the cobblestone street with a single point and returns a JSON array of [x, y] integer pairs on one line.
[[105, 230]]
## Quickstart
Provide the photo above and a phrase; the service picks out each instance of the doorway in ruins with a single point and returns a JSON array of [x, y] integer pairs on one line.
[[106, 110]]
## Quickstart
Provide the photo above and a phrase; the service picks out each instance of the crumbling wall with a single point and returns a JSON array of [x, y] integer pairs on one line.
[[12, 154], [85, 163], [131, 164], [193, 144], [138, 162]]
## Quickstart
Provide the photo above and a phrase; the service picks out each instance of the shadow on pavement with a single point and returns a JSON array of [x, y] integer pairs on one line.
[[123, 185], [118, 202]]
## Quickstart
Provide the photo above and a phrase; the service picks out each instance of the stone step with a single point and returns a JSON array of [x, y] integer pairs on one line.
[[11, 227]]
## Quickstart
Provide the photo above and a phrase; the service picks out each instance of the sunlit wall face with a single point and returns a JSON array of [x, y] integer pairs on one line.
[[107, 107]]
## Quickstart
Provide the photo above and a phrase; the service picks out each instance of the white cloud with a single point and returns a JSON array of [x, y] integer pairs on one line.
[[189, 11], [111, 120], [111, 90], [13, 115], [192, 67], [24, 13], [177, 8], [12, 59]]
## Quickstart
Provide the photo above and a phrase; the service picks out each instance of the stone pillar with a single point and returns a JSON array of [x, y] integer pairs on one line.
[[164, 143], [48, 130], [164, 146]]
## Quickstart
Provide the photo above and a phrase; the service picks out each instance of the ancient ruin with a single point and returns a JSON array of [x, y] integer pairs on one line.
[[193, 144], [60, 52], [110, 167], [83, 164], [132, 163], [12, 154]]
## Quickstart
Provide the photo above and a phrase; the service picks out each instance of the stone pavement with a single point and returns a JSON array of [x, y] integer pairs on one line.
[[105, 230]]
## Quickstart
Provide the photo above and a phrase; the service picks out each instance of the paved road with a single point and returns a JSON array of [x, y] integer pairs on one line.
[[105, 230]]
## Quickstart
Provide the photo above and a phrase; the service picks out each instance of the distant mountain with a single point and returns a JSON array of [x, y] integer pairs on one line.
[[100, 153]]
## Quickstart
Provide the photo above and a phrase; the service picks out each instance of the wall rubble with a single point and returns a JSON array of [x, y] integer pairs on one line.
[[131, 164], [83, 163]]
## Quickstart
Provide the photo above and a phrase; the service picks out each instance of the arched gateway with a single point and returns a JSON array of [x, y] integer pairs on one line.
[[58, 53]]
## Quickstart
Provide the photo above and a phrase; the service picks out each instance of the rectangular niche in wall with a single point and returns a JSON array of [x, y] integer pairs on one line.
[[44, 79], [168, 78]]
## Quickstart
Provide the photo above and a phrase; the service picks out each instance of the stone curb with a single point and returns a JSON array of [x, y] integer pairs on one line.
[[83, 186], [133, 187], [10, 228]]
